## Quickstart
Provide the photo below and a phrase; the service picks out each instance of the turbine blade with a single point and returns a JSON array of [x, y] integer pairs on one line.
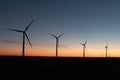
[[28, 40], [85, 48], [58, 43], [14, 30], [29, 25], [53, 35], [60, 35], [85, 41], [81, 43]]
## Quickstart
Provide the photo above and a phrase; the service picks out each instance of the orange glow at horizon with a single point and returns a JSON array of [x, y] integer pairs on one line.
[[63, 52]]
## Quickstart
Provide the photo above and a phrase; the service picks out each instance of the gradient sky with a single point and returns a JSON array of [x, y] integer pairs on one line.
[[97, 21]]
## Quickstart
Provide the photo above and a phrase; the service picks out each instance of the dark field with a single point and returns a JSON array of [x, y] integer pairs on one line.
[[60, 64]]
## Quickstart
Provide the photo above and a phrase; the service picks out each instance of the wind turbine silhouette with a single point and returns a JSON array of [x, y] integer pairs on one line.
[[106, 47], [24, 35], [57, 42], [84, 47]]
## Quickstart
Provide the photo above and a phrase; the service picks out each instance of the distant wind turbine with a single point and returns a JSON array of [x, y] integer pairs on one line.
[[24, 35], [84, 47], [57, 42], [106, 49]]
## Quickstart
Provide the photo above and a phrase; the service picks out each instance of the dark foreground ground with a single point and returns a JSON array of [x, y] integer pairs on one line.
[[67, 66], [42, 64]]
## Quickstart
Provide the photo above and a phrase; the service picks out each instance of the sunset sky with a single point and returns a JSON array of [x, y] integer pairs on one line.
[[97, 21]]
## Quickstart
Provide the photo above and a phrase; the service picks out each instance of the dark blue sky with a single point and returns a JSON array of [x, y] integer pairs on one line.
[[98, 21]]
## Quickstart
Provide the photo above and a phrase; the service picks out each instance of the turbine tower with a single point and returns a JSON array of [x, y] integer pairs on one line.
[[84, 47], [57, 42], [106, 49], [24, 35]]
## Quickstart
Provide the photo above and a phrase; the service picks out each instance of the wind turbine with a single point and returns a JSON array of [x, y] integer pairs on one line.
[[24, 35], [106, 47], [57, 42], [84, 47]]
